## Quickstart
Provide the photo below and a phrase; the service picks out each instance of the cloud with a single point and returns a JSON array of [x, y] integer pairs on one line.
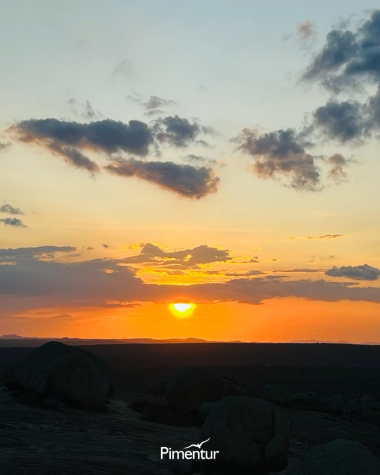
[[74, 157], [194, 158], [184, 180], [180, 259], [124, 69], [44, 317], [341, 121], [337, 163], [35, 252], [14, 222], [323, 237], [191, 158], [306, 30], [348, 57], [244, 273], [153, 104], [298, 271], [373, 110], [179, 132], [281, 154], [107, 136], [7, 208], [363, 272], [36, 283], [4, 146], [84, 110]]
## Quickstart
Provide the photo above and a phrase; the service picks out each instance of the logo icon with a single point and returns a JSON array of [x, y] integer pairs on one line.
[[197, 446]]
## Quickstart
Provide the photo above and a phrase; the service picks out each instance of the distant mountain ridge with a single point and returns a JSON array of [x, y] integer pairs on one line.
[[36, 341], [17, 340]]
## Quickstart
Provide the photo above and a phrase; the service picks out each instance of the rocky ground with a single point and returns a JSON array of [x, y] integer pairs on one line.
[[36, 440]]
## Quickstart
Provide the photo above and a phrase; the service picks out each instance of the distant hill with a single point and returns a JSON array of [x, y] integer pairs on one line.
[[13, 336], [33, 341], [17, 340]]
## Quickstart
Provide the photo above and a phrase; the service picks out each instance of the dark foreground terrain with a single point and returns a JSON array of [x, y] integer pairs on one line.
[[43, 440], [326, 369]]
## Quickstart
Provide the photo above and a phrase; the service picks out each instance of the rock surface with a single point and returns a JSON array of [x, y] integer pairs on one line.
[[154, 386], [251, 435], [335, 404], [340, 457], [276, 395], [205, 409], [190, 386], [75, 376], [335, 433]]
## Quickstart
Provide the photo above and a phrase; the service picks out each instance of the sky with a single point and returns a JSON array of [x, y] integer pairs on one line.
[[220, 154]]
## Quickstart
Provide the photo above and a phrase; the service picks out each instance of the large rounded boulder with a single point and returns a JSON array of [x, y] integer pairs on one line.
[[276, 395], [340, 457], [190, 386], [251, 435], [75, 376]]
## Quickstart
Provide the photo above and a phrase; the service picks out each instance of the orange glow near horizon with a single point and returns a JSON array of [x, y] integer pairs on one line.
[[275, 320]]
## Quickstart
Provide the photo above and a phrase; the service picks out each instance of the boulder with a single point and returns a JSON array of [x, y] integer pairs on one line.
[[354, 408], [205, 409], [335, 404], [340, 457], [77, 377], [368, 402], [335, 433], [301, 400], [190, 386], [373, 417], [250, 434], [276, 395]]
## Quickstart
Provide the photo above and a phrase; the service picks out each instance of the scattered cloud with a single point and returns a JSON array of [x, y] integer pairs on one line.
[[299, 271], [4, 145], [306, 31], [341, 121], [348, 57], [7, 208], [363, 272], [39, 252], [179, 259], [124, 69], [185, 180], [323, 237], [74, 157], [191, 158], [337, 167], [107, 136], [281, 154], [83, 110], [153, 105], [14, 222], [179, 132]]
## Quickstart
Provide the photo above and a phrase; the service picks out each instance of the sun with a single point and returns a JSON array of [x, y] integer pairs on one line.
[[182, 310]]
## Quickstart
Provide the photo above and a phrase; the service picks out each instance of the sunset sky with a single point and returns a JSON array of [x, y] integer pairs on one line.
[[219, 153]]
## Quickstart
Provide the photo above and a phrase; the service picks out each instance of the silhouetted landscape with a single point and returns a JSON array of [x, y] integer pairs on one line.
[[333, 395]]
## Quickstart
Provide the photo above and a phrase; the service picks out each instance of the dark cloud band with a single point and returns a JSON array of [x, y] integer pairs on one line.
[[184, 180]]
